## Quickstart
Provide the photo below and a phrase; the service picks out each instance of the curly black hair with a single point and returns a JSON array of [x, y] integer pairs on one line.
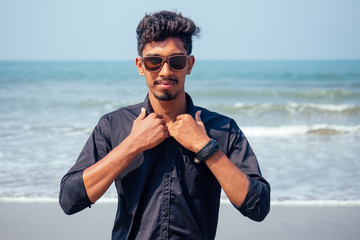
[[162, 25]]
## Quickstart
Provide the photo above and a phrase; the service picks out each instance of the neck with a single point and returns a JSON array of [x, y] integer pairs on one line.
[[169, 109]]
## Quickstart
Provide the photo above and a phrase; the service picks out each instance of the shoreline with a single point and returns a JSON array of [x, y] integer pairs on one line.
[[223, 201], [40, 220]]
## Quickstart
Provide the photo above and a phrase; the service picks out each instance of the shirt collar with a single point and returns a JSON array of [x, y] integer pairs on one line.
[[191, 109]]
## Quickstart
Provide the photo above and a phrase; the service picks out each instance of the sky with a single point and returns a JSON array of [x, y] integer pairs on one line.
[[230, 29]]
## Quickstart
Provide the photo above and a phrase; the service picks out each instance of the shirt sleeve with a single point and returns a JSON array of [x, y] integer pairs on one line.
[[73, 197], [256, 205]]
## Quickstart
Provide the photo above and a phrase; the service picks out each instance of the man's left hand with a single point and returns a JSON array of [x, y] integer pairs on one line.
[[189, 132]]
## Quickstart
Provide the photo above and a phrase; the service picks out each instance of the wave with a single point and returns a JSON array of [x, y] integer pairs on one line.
[[292, 107], [15, 129], [250, 131], [230, 91], [298, 130]]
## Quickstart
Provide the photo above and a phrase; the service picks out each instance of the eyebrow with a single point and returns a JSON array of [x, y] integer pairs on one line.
[[157, 55]]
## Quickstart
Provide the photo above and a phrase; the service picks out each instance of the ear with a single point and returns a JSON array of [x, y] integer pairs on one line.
[[191, 63], [138, 63]]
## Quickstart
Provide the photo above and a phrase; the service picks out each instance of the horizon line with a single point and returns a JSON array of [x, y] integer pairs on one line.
[[198, 59]]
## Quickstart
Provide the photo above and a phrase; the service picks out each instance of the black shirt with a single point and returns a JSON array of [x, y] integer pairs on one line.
[[163, 194]]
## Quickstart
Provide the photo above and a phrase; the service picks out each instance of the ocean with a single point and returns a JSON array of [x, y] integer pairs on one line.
[[302, 119]]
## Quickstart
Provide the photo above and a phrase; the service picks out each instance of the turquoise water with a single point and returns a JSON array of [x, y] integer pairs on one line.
[[302, 119]]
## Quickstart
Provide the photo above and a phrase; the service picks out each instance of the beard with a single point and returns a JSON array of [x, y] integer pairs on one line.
[[166, 96]]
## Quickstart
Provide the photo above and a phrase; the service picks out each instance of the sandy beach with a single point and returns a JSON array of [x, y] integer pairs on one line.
[[47, 221]]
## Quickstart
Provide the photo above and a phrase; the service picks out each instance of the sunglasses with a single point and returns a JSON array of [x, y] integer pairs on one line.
[[155, 63]]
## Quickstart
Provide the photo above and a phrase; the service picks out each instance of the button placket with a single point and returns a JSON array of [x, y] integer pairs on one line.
[[165, 202]]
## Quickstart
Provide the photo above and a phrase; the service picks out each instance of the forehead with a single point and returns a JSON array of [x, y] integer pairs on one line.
[[164, 48]]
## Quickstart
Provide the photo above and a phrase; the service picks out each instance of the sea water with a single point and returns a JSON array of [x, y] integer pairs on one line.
[[302, 119]]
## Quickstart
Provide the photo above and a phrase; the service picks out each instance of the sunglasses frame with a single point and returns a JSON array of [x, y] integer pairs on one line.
[[163, 60]]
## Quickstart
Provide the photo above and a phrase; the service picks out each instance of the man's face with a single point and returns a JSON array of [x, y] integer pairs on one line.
[[165, 84]]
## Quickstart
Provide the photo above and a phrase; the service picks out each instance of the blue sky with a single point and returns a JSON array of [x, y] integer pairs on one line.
[[231, 29]]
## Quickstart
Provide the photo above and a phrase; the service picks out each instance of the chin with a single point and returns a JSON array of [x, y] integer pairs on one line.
[[165, 97]]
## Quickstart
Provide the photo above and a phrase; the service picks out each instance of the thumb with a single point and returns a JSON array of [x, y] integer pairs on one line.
[[197, 116], [142, 114]]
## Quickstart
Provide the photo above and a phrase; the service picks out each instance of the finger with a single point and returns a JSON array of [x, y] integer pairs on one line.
[[181, 116], [172, 132], [142, 114], [155, 116], [197, 116], [173, 128], [159, 121], [159, 116]]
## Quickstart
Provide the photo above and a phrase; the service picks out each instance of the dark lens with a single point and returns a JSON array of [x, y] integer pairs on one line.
[[152, 63], [177, 62]]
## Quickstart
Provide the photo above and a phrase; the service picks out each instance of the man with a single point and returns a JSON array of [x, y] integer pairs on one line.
[[169, 159]]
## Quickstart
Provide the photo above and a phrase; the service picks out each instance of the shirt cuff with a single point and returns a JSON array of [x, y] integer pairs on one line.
[[256, 204], [73, 197]]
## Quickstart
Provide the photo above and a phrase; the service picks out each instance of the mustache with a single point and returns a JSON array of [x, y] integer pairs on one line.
[[160, 80]]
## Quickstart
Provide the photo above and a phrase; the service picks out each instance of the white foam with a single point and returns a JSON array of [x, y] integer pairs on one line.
[[296, 107], [331, 108], [315, 203], [296, 130], [279, 131], [317, 106], [29, 199]]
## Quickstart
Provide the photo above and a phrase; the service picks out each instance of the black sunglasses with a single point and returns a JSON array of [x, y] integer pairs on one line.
[[155, 63]]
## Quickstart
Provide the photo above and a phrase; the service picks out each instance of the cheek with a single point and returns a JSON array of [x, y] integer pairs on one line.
[[149, 83], [181, 78], [149, 78]]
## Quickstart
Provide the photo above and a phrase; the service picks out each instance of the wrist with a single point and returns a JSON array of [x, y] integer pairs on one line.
[[207, 151], [133, 146], [201, 144]]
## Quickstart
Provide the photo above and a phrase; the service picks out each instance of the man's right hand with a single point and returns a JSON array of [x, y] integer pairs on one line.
[[148, 131]]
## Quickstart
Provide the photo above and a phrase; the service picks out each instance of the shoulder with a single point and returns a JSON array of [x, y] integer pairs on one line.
[[120, 119], [116, 125], [212, 118], [222, 128], [127, 112]]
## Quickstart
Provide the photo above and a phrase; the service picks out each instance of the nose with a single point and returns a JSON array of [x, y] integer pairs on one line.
[[165, 71]]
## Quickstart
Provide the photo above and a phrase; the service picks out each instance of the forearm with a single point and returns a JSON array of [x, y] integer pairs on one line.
[[147, 132], [249, 192], [98, 177], [233, 181]]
